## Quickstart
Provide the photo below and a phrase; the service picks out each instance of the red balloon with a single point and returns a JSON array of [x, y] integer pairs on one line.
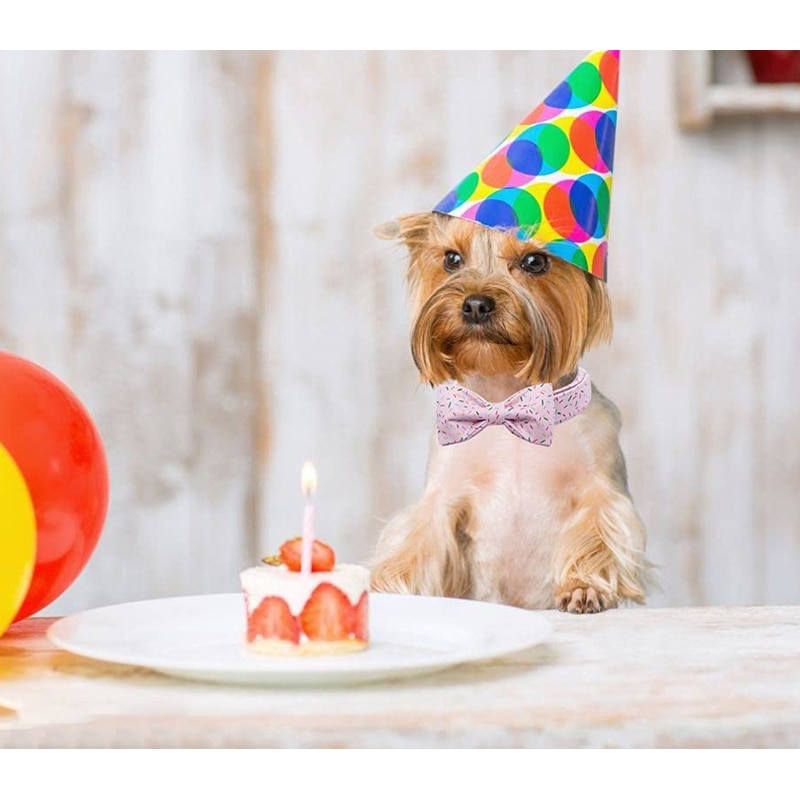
[[58, 450]]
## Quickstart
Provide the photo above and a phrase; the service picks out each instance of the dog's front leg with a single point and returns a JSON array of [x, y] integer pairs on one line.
[[424, 550], [599, 558]]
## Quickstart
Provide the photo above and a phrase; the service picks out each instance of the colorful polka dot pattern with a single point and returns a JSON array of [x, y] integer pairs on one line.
[[529, 414], [550, 179]]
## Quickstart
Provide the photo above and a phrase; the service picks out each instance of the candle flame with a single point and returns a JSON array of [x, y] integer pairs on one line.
[[308, 478]]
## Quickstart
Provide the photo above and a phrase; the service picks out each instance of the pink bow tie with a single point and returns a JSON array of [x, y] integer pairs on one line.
[[530, 413]]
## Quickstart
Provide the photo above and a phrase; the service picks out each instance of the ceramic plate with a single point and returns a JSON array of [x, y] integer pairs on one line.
[[201, 638]]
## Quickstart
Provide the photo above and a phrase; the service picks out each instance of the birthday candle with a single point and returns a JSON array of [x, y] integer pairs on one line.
[[308, 483]]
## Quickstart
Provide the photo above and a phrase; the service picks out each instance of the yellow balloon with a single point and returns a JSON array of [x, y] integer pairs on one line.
[[17, 539]]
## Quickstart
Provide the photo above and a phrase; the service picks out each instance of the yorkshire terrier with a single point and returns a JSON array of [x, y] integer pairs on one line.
[[501, 519]]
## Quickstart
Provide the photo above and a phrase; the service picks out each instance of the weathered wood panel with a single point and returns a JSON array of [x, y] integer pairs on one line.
[[34, 279], [318, 364], [155, 321], [187, 240]]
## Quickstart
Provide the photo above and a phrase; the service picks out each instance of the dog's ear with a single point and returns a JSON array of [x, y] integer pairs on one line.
[[389, 230], [411, 228], [600, 325]]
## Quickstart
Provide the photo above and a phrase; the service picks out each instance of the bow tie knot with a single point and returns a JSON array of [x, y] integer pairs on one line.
[[529, 414], [495, 415]]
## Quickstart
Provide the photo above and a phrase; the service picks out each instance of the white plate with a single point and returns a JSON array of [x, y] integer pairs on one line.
[[202, 638]]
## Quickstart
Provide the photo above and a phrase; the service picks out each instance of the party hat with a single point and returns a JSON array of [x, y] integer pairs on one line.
[[550, 179]]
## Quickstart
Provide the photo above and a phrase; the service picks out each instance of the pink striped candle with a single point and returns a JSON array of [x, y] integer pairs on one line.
[[308, 482]]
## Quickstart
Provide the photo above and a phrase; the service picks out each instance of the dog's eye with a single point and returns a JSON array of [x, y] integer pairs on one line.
[[452, 261], [535, 263]]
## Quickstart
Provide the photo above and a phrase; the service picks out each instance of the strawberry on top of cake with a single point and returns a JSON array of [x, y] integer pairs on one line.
[[324, 612]]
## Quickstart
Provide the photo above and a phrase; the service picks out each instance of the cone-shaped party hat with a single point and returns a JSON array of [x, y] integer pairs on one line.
[[550, 179]]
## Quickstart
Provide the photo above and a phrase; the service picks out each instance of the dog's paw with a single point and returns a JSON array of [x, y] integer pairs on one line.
[[583, 600]]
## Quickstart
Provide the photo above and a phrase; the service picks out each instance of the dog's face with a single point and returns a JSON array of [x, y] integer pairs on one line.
[[486, 303]]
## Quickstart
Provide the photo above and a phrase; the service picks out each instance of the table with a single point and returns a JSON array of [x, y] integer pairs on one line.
[[688, 677]]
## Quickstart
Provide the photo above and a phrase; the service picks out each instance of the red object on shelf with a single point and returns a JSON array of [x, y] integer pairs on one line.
[[775, 66]]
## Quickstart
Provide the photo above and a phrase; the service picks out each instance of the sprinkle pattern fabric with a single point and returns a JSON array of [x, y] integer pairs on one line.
[[529, 414], [550, 178]]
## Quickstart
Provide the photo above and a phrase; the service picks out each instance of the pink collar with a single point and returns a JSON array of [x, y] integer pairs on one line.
[[529, 414]]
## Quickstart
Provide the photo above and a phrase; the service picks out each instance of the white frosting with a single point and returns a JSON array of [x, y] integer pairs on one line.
[[295, 588]]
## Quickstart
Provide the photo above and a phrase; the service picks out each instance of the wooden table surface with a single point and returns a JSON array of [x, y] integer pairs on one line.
[[690, 677]]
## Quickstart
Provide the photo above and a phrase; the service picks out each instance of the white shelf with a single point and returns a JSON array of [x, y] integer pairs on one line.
[[761, 99], [701, 100]]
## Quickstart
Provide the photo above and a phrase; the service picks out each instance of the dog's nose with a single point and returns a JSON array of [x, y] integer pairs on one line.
[[477, 308]]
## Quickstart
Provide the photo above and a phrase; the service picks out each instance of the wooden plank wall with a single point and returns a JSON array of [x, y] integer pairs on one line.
[[186, 239], [127, 259]]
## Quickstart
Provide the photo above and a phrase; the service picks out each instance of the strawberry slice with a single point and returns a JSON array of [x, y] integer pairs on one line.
[[327, 615], [361, 618], [322, 556], [273, 620]]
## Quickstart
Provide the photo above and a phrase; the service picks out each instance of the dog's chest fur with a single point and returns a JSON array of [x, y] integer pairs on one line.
[[515, 498]]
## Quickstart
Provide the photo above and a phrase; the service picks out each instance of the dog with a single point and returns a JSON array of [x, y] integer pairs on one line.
[[501, 519]]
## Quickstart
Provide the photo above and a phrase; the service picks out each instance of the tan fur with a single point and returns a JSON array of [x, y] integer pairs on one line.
[[501, 519]]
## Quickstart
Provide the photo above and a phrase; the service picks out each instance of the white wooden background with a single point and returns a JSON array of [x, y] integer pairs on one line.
[[185, 238]]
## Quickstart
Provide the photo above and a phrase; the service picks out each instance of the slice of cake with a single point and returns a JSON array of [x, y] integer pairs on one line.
[[322, 613]]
